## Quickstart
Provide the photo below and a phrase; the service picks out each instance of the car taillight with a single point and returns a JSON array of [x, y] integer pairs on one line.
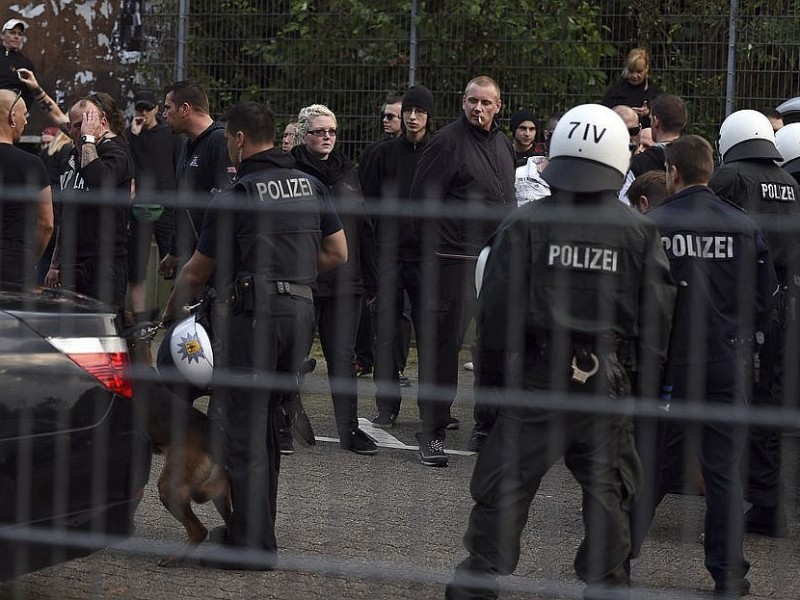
[[105, 359]]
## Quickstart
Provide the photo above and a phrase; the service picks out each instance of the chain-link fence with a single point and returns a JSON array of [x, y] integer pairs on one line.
[[547, 56]]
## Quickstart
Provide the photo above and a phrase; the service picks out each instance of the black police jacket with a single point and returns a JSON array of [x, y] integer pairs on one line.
[[770, 195], [571, 266], [269, 222], [720, 262]]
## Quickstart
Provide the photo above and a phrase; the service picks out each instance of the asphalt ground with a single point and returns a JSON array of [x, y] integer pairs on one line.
[[386, 527]]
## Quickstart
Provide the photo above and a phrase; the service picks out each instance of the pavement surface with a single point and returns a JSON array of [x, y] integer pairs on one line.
[[386, 527]]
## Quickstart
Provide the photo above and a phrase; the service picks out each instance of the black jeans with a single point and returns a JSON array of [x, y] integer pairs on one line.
[[337, 322]]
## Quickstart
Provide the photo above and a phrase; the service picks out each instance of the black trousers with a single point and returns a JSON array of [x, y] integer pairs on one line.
[[337, 323], [104, 278], [521, 448], [259, 358], [442, 297], [719, 447], [762, 462]]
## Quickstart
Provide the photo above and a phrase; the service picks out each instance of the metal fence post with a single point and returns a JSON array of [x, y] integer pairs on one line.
[[730, 90], [412, 53], [180, 57]]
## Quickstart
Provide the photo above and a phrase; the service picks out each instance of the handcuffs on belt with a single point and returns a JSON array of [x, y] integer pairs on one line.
[[581, 376]]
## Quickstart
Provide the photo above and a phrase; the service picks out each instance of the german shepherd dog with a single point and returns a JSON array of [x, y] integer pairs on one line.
[[182, 434]]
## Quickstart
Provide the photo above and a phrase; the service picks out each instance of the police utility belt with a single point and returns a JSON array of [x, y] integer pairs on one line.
[[248, 288], [584, 363]]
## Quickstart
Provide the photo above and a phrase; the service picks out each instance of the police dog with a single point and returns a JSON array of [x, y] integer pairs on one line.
[[182, 434]]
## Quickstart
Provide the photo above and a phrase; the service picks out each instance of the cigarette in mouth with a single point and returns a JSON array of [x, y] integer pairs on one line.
[[480, 119]]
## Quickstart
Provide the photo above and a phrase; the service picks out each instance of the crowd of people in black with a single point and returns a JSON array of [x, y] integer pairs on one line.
[[618, 263]]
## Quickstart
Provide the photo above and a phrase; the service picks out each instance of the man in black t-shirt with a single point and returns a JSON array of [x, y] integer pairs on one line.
[[26, 207], [91, 255], [155, 151], [203, 167]]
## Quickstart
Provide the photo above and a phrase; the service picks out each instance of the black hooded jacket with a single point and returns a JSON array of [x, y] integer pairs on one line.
[[360, 273], [385, 180]]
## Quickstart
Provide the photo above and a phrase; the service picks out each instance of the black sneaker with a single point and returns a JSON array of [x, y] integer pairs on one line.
[[766, 520], [732, 588], [359, 442], [452, 423], [477, 441], [384, 420], [403, 380], [431, 452], [286, 441]]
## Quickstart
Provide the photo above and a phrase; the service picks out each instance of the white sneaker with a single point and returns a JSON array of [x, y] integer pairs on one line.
[[469, 366]]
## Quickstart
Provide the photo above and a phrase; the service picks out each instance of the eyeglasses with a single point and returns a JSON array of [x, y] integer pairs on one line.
[[389, 116], [417, 109], [635, 130], [322, 132]]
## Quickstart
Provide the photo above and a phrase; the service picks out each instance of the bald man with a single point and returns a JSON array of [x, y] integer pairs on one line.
[[27, 199], [631, 122]]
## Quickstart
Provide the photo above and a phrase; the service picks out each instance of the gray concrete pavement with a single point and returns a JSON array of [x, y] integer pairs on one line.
[[386, 527]]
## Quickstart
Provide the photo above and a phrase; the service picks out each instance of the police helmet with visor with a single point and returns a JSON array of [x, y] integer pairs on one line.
[[787, 141], [589, 150], [747, 134]]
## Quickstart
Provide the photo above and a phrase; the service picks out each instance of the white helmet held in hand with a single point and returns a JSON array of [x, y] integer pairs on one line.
[[787, 141], [747, 134], [185, 358], [589, 150]]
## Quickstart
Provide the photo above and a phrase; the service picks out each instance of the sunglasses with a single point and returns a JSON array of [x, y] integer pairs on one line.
[[389, 116], [11, 109], [144, 107], [322, 132], [635, 130]]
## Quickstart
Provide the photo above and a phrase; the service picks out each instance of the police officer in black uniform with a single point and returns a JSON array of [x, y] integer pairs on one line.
[[750, 178], [726, 282], [267, 252], [571, 280]]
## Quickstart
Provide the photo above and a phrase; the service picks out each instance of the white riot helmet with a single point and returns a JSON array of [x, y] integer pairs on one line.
[[787, 141], [790, 110], [589, 150], [747, 134], [186, 353]]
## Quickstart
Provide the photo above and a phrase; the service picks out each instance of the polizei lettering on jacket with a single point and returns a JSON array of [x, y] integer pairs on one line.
[[778, 191], [582, 257], [682, 245], [284, 189]]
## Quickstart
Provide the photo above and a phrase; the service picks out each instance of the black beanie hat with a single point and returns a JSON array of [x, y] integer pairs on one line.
[[420, 97], [520, 117]]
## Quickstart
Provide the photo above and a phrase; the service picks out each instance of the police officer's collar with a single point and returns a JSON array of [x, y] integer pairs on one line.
[[272, 158]]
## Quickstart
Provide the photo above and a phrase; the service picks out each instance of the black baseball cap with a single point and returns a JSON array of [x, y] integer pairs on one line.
[[145, 98]]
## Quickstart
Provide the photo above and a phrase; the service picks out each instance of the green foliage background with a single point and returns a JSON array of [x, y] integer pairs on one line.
[[546, 55]]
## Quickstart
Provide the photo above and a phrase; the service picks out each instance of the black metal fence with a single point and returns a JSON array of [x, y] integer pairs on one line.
[[547, 56]]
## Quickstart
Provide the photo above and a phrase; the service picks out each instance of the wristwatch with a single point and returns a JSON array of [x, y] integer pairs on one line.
[[88, 139]]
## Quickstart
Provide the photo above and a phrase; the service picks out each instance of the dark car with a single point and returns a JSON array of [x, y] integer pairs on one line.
[[74, 458]]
